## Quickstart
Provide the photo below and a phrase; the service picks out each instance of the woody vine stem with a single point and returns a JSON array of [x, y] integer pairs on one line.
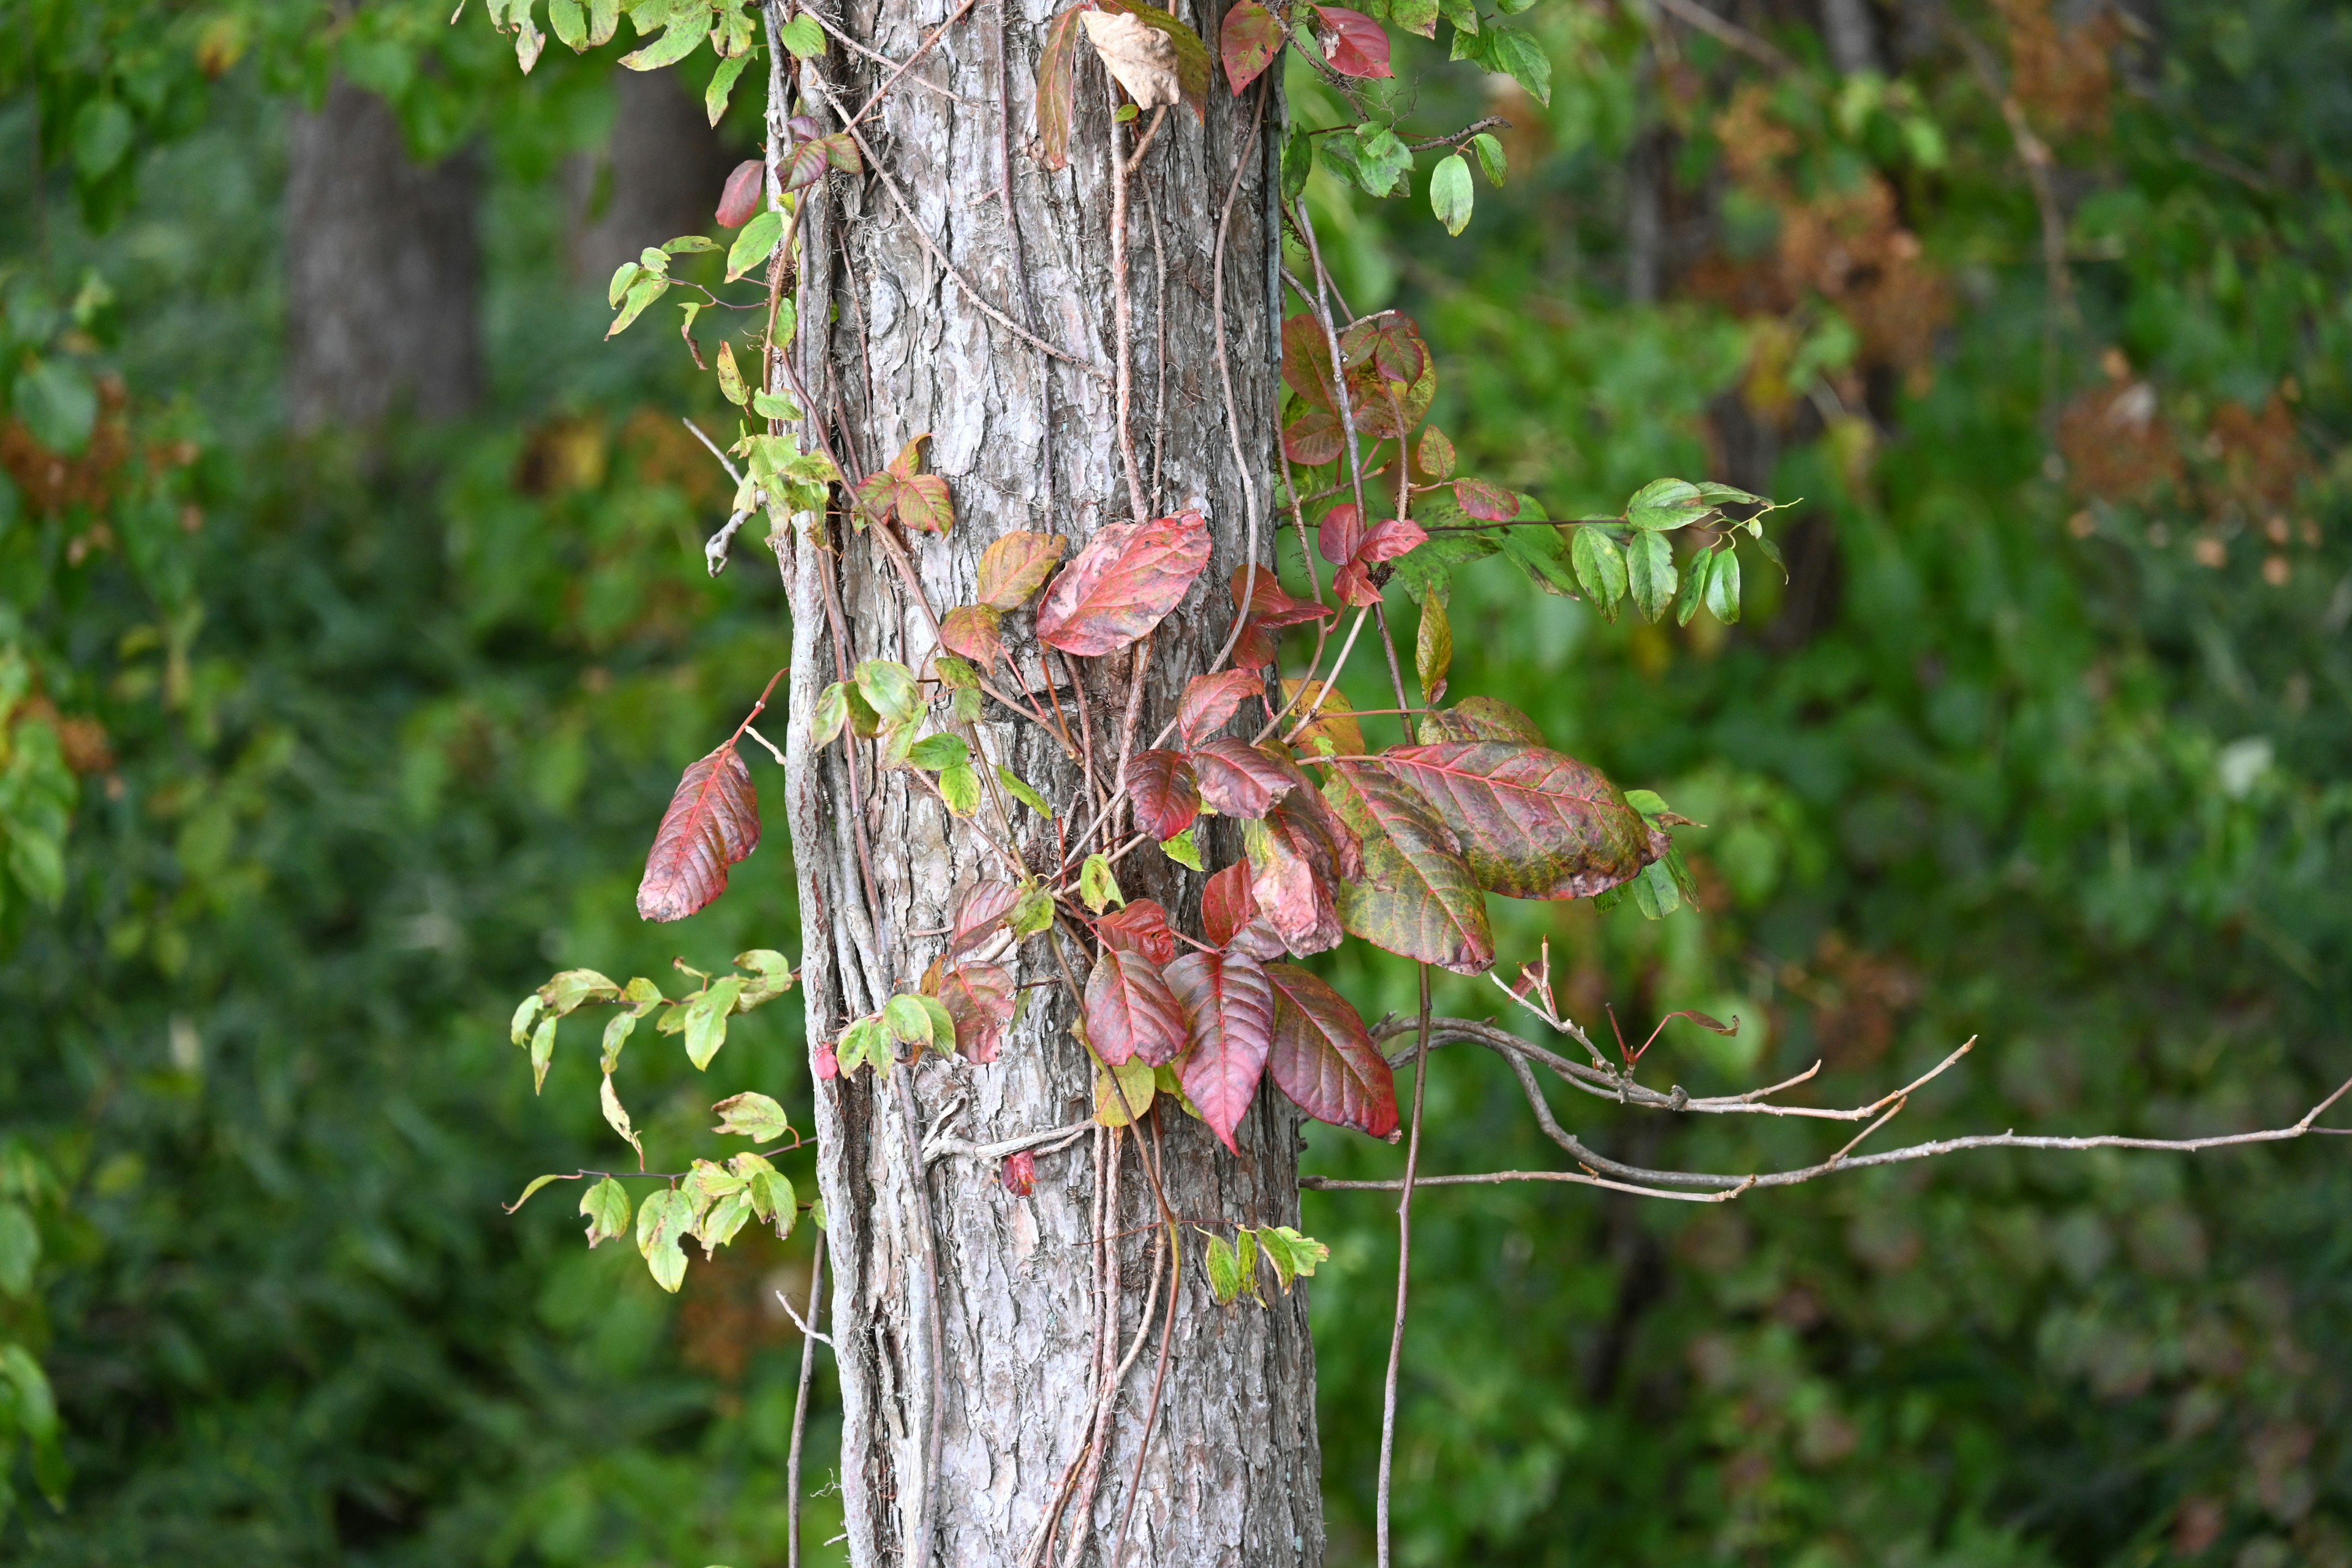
[[1185, 1012]]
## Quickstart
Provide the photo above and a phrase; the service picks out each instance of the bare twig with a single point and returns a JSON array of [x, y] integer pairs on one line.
[[899, 67], [1727, 32], [926, 1263], [1122, 315], [809, 1340], [1404, 1282]]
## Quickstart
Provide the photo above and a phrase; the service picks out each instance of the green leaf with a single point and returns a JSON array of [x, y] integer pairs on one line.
[[722, 83], [617, 1117], [1121, 1090], [960, 787], [722, 1220], [536, 1182], [604, 20], [665, 1220], [1650, 570], [1665, 504], [774, 405], [1097, 886], [677, 42], [565, 991], [1383, 164], [59, 404], [526, 1017], [569, 20], [1225, 1271], [1432, 647], [1648, 802], [1723, 585], [933, 753], [542, 1051], [864, 1042], [1450, 193], [1600, 569], [1184, 850], [889, 688], [1033, 913], [606, 1204], [754, 242], [1537, 552], [942, 1021], [1658, 878], [771, 977], [1019, 790], [730, 379], [752, 1116], [618, 1030], [1694, 590], [689, 245], [642, 293], [1772, 554], [908, 1021], [1491, 162], [1293, 1256], [1246, 1260], [830, 713], [624, 275], [20, 1244], [802, 38], [1519, 56], [1297, 162], [706, 1020]]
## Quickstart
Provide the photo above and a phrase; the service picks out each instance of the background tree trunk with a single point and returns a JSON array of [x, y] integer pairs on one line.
[[657, 177], [383, 270], [892, 349]]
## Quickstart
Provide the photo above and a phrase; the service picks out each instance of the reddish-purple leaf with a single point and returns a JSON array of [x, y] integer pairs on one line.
[[1306, 364], [1314, 438], [1057, 87], [712, 822], [1227, 905], [804, 166], [1167, 798], [1131, 1012], [1238, 778], [1228, 1005], [1333, 840], [1340, 534], [1258, 940], [1141, 927], [1488, 503], [1479, 719], [1254, 649], [1209, 701], [1416, 896], [1532, 824], [826, 1062], [1323, 1057], [1352, 42], [974, 632], [1389, 343], [1016, 566], [744, 195], [978, 997], [1123, 584], [1248, 42], [981, 911], [1291, 879], [1384, 540], [1019, 1173], [1270, 603]]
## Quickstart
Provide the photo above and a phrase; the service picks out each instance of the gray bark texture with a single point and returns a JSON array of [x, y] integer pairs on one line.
[[1031, 1306], [383, 270]]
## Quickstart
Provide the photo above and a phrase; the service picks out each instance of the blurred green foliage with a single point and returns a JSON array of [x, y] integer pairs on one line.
[[2044, 745]]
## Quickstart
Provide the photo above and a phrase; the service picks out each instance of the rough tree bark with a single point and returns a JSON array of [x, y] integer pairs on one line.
[[383, 270], [890, 349]]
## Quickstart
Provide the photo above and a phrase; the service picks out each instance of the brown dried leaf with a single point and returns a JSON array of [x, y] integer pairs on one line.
[[1141, 57]]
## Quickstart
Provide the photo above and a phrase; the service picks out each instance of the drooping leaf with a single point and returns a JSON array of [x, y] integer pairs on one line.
[[1293, 882], [1056, 87], [1247, 43], [1236, 778], [1600, 569], [712, 822], [1221, 1263], [1183, 848], [1015, 567], [1383, 542], [1167, 796], [752, 1116], [1323, 1057], [1098, 886], [1228, 1006], [1491, 159], [617, 1117], [1479, 719], [677, 42], [1209, 701], [1650, 571], [1432, 648], [979, 1000], [606, 1207], [1123, 584], [743, 194], [1292, 1255], [15, 1277], [1451, 195], [959, 789], [1267, 602], [890, 689], [1352, 42], [1417, 897], [706, 1020], [664, 1221], [1023, 791], [1533, 824], [1722, 585], [1141, 927], [1130, 1011], [1019, 1173], [1191, 56], [1139, 58]]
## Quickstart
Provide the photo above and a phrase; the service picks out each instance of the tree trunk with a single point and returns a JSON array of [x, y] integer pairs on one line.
[[891, 348], [382, 269], [654, 179]]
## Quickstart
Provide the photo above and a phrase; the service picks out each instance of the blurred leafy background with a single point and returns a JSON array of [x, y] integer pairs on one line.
[[318, 745]]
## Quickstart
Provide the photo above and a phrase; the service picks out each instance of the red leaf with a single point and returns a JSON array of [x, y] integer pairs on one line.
[[1533, 824], [1227, 905], [1131, 1012], [1307, 364], [1340, 534], [1250, 39], [1479, 719], [1416, 896], [1332, 836], [978, 997], [804, 166], [1254, 649], [972, 631], [712, 822], [744, 194], [1015, 567], [981, 911], [1209, 701], [1123, 584], [1141, 927], [1228, 1004], [1057, 85], [1167, 798], [1314, 438], [1236, 778], [1488, 503], [1353, 584], [1390, 343], [828, 1065], [1352, 42], [1390, 538], [1323, 1057], [1270, 603], [1291, 879], [1019, 1173]]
